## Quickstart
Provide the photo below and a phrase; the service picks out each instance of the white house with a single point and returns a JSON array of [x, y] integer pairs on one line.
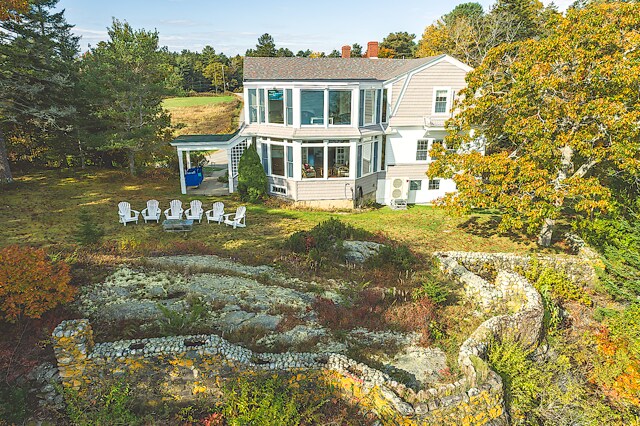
[[334, 131]]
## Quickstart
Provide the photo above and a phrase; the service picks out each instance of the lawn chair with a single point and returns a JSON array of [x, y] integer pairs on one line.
[[152, 212], [217, 214], [194, 211], [238, 219], [127, 214], [174, 211]]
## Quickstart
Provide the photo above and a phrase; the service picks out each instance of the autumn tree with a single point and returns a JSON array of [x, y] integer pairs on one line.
[[398, 45], [31, 283], [9, 9], [126, 78], [558, 116]]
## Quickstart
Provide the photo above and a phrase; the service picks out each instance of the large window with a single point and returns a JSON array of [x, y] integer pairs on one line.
[[339, 107], [289, 107], [253, 106], [312, 107], [261, 104], [312, 162], [276, 106], [338, 161], [422, 153], [440, 101], [277, 160]]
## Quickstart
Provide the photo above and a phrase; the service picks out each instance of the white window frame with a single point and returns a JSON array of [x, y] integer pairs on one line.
[[429, 142], [325, 107], [429, 188], [448, 104], [419, 181], [330, 119], [284, 106], [364, 106]]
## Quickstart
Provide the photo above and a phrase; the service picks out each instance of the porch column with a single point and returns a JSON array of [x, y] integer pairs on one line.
[[230, 170], [183, 184], [188, 159]]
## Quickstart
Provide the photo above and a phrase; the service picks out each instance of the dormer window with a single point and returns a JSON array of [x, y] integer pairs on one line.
[[441, 100]]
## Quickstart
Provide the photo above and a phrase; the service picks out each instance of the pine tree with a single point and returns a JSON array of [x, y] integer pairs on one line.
[[125, 77], [266, 47], [252, 180], [37, 72]]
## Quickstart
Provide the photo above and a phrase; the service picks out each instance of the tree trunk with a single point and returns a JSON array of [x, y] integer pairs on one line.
[[5, 169], [132, 162], [544, 237]]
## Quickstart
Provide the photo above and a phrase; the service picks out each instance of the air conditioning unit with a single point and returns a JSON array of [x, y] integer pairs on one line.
[[399, 192]]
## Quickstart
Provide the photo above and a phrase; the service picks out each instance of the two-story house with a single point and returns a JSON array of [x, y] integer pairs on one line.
[[334, 131]]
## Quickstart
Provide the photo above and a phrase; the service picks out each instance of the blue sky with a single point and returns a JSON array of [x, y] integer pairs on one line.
[[233, 26]]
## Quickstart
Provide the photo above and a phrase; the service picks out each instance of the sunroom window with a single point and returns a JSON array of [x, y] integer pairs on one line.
[[253, 106], [338, 161], [312, 107], [276, 106], [312, 162], [339, 107], [289, 107], [277, 160]]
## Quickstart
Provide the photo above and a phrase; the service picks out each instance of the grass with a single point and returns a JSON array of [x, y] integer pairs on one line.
[[42, 209], [204, 115], [191, 101]]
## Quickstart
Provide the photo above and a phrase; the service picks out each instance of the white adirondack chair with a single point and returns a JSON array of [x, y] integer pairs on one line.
[[152, 212], [174, 211], [194, 211], [238, 219], [217, 214], [126, 213]]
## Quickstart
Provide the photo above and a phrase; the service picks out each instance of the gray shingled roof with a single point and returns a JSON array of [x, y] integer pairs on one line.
[[329, 68]]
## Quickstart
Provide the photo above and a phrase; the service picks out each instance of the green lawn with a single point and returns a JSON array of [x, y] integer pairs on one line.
[[42, 209], [190, 101]]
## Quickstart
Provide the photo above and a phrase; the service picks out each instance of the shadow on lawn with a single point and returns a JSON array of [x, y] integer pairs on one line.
[[487, 227]]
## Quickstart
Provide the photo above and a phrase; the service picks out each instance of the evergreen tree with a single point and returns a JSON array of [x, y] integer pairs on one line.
[[356, 50], [283, 52], [125, 77], [398, 45], [334, 54], [265, 47], [252, 180], [37, 73]]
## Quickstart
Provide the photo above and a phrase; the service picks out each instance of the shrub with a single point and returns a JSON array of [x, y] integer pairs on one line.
[[177, 322], [252, 180], [282, 399], [366, 311], [400, 257], [325, 239], [433, 290], [111, 406], [31, 283], [555, 283], [13, 404], [88, 231]]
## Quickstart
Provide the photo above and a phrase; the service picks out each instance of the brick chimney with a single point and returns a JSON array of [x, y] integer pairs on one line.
[[372, 49], [346, 51]]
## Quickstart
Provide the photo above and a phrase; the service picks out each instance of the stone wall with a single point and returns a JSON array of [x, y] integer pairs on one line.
[[186, 366]]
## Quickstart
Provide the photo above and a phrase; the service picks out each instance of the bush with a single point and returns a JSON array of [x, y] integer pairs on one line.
[[31, 283], [13, 404], [400, 257], [88, 232], [112, 406], [433, 290], [418, 316], [252, 180], [325, 239], [556, 283]]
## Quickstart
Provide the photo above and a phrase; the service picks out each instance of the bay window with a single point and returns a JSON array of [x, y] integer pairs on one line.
[[338, 160], [312, 162], [339, 107], [312, 107], [289, 98]]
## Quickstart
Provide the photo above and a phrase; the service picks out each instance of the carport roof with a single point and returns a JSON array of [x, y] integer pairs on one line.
[[203, 142]]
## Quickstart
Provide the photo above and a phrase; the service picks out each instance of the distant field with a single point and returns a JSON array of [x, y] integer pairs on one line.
[[196, 101], [204, 115]]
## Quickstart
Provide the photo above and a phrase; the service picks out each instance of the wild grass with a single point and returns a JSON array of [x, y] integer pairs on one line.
[[189, 101], [204, 115]]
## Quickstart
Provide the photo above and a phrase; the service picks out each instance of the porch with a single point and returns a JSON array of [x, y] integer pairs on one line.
[[223, 152]]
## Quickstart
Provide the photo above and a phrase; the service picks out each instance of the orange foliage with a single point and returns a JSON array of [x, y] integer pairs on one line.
[[30, 284], [9, 8]]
